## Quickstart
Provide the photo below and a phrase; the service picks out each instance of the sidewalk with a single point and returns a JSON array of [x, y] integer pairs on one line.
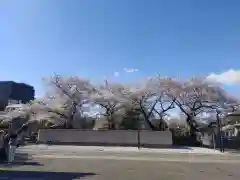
[[60, 148], [235, 151]]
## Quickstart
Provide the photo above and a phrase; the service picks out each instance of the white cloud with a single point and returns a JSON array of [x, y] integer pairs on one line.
[[130, 70], [116, 74], [230, 77]]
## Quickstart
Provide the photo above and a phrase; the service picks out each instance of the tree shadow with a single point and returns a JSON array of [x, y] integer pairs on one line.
[[20, 160], [42, 175]]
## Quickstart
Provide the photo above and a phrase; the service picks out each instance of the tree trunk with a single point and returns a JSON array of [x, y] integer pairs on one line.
[[193, 128], [3, 148], [69, 123], [162, 125], [149, 123], [3, 154], [147, 114], [111, 123]]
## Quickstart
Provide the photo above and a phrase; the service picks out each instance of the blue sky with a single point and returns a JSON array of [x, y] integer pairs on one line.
[[99, 38]]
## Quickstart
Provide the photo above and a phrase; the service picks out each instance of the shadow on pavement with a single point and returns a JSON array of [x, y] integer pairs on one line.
[[181, 147], [41, 175], [20, 160]]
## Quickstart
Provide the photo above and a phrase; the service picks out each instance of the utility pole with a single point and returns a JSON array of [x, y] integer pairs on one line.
[[219, 131]]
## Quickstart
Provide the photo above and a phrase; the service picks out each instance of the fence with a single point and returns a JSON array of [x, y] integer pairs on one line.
[[231, 143], [214, 141], [185, 141], [106, 137]]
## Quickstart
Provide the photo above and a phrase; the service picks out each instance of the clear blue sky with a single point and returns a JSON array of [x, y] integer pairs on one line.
[[95, 38]]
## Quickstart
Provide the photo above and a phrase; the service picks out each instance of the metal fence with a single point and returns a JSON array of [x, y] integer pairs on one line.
[[216, 141]]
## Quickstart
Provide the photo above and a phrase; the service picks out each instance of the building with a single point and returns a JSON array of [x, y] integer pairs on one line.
[[12, 91], [230, 131]]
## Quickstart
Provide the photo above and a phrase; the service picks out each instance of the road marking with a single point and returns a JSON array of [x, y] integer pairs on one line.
[[155, 159]]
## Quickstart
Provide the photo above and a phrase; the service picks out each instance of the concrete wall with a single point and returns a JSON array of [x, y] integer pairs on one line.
[[88, 137], [105, 137], [155, 138], [207, 140]]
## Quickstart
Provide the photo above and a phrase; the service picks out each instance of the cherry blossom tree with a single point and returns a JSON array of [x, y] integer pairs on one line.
[[162, 86], [142, 99], [18, 118], [151, 96], [195, 96], [131, 120], [221, 110], [72, 92], [54, 110], [109, 98], [68, 98]]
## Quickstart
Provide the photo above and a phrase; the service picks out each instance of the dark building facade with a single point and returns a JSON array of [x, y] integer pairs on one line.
[[10, 90]]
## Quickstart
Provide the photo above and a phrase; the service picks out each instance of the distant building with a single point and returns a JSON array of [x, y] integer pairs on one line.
[[15, 92]]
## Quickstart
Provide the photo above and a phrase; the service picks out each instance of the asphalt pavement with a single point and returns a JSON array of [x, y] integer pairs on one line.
[[107, 164], [193, 155]]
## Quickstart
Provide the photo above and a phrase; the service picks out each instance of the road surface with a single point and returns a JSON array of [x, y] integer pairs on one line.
[[106, 164]]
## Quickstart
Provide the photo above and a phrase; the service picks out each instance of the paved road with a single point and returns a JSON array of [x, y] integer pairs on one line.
[[133, 154], [102, 165], [92, 169]]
